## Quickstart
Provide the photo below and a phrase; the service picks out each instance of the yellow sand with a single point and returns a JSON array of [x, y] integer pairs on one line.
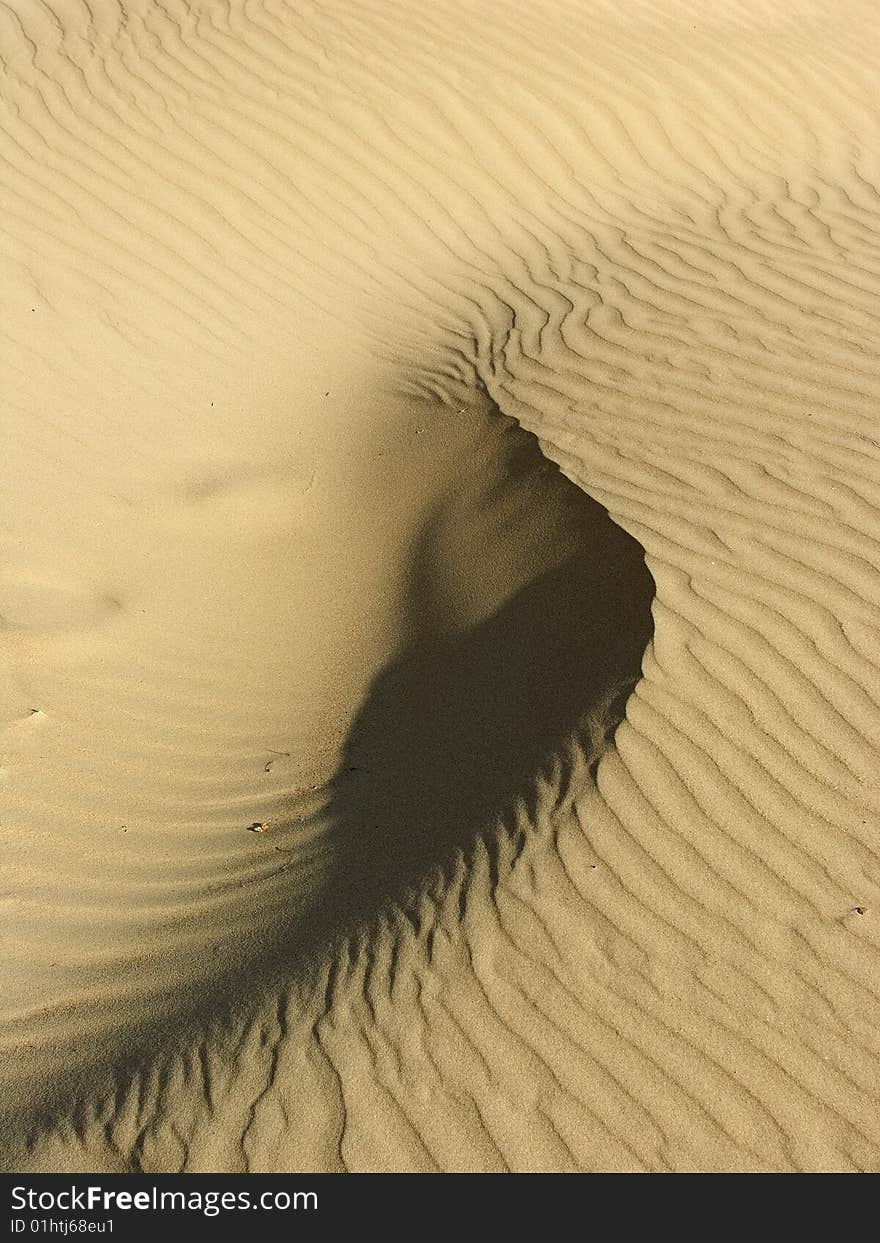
[[304, 308]]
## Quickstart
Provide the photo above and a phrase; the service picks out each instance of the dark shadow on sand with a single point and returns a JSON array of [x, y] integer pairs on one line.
[[449, 735], [461, 725]]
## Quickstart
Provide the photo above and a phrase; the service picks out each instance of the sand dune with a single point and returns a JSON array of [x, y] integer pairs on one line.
[[447, 436]]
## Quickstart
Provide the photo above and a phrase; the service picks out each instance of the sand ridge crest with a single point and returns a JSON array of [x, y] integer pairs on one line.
[[276, 277]]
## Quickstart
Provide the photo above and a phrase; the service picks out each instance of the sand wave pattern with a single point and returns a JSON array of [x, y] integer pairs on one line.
[[445, 435]]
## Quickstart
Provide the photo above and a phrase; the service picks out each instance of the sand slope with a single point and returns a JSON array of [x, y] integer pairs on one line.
[[276, 278]]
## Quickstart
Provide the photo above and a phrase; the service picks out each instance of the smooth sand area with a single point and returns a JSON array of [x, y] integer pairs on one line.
[[439, 530]]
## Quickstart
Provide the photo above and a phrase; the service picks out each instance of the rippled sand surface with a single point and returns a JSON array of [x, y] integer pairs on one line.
[[439, 585]]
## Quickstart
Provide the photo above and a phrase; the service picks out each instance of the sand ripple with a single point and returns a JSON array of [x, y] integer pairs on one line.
[[274, 276]]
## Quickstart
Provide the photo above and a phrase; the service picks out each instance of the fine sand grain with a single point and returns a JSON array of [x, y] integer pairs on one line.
[[443, 437]]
